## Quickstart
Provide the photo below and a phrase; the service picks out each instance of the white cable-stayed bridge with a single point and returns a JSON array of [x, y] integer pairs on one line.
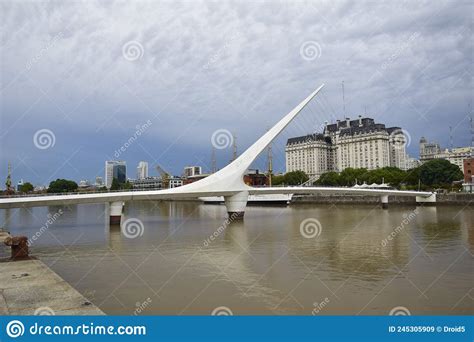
[[227, 182]]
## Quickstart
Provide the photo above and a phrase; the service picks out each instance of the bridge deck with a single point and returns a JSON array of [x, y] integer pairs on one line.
[[182, 192]]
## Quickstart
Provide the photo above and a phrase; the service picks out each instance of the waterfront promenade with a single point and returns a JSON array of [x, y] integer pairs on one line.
[[29, 287]]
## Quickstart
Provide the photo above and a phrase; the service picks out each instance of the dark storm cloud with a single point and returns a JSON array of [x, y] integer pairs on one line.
[[91, 72]]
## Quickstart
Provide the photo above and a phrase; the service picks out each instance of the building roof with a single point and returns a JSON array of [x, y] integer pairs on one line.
[[363, 129], [345, 128], [309, 137], [390, 130], [352, 124]]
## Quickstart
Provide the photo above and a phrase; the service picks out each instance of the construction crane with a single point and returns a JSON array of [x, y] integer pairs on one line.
[[213, 160], [270, 164], [8, 183], [165, 177], [234, 148]]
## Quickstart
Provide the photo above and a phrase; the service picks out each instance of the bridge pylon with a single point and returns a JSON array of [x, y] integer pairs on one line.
[[236, 204], [115, 212]]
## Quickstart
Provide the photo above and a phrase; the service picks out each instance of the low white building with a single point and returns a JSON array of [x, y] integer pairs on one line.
[[192, 171], [149, 183], [84, 183], [99, 181], [174, 182], [468, 187], [411, 163], [155, 183], [456, 156]]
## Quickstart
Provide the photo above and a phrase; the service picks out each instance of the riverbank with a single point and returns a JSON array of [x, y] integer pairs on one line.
[[446, 199], [29, 287]]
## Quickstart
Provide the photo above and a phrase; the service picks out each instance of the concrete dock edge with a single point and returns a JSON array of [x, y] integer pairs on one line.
[[29, 287]]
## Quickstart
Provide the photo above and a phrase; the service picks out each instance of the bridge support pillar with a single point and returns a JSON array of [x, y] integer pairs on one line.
[[384, 200], [236, 204], [430, 200], [115, 212]]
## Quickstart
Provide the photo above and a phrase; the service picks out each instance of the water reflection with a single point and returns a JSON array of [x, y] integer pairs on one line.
[[260, 265], [115, 237], [437, 229]]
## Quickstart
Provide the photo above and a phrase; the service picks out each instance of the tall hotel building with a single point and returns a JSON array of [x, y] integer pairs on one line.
[[142, 170], [115, 169], [359, 143]]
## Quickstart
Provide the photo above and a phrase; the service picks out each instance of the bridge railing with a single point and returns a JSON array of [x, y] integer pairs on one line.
[[72, 193]]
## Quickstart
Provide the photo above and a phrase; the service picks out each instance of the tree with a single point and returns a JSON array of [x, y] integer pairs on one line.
[[62, 185], [439, 172], [328, 178], [126, 186], [295, 177], [26, 187], [435, 173], [412, 178], [376, 176], [115, 184], [349, 176], [394, 176], [278, 180]]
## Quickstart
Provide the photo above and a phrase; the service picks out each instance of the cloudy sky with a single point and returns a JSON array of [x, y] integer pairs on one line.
[[78, 78]]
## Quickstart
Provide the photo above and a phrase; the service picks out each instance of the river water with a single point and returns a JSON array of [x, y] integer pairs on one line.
[[187, 260]]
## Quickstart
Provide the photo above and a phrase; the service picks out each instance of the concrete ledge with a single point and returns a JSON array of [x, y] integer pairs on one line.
[[350, 199], [28, 285], [448, 199]]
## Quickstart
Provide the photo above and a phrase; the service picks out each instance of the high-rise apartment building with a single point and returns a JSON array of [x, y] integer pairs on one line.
[[142, 170], [99, 182], [115, 169], [428, 150]]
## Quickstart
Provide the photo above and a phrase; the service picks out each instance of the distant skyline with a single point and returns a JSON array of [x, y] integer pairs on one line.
[[81, 83]]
